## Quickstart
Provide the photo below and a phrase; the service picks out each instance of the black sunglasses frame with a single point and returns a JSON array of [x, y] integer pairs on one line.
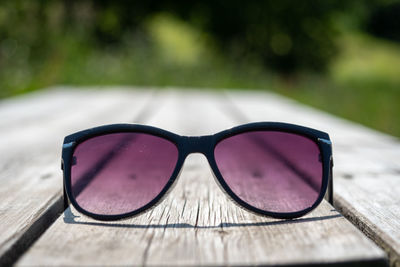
[[204, 145]]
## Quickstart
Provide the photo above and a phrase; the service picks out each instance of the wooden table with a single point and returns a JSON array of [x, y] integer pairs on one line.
[[196, 224]]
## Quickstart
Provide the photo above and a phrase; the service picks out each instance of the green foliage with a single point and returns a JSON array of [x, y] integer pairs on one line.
[[283, 35], [260, 45], [286, 36], [366, 61]]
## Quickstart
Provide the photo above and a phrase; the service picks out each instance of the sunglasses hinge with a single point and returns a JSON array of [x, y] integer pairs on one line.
[[67, 145], [326, 141]]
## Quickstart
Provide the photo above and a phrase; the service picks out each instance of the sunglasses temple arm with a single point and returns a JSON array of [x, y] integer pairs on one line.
[[65, 197], [330, 184]]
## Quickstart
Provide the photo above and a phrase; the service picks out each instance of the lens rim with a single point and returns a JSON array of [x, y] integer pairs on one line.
[[201, 144], [309, 133], [71, 142]]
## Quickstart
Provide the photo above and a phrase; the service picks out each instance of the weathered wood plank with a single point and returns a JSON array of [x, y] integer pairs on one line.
[[367, 166], [30, 192], [12, 113], [197, 224]]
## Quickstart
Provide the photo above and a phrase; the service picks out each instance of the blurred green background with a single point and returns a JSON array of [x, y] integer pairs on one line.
[[339, 56]]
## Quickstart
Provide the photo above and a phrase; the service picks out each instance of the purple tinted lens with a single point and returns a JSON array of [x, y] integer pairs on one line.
[[272, 171], [118, 173]]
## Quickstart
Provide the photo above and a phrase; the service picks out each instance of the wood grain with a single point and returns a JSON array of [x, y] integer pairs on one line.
[[30, 145], [367, 166], [197, 224]]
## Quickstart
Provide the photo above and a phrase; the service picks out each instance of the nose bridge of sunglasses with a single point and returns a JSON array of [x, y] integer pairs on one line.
[[198, 144]]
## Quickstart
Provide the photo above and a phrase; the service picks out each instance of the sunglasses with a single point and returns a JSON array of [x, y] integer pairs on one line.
[[273, 169]]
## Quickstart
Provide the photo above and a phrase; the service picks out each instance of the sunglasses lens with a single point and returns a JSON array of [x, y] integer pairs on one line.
[[119, 173], [272, 171]]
